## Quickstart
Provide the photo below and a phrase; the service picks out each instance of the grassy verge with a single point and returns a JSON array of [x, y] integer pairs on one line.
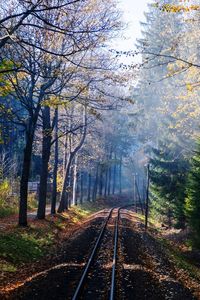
[[22, 246], [9, 205], [152, 223], [7, 211], [19, 246], [86, 209], [175, 253], [179, 259]]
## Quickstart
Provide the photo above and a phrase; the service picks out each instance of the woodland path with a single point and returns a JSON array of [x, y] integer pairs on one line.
[[143, 269], [13, 219]]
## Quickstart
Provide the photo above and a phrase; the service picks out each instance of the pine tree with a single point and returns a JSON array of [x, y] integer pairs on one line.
[[168, 177], [192, 205]]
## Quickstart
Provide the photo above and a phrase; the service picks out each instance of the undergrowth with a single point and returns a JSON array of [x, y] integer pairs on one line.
[[22, 246], [180, 260]]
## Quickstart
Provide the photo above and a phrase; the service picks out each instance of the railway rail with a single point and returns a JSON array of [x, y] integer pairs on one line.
[[117, 268], [92, 258]]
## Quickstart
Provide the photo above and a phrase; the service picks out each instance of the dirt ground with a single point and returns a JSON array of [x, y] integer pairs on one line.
[[147, 271], [144, 270]]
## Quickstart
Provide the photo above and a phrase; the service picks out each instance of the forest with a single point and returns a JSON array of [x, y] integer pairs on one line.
[[95, 140]]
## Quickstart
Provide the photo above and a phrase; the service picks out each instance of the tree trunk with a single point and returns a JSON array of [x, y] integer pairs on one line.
[[89, 187], [114, 176], [144, 191], [120, 176], [63, 198], [147, 199], [65, 153], [24, 180], [77, 189], [74, 202], [26, 168], [69, 194], [94, 196], [139, 197], [55, 167], [69, 162], [110, 173], [109, 179], [134, 192], [106, 183], [46, 150], [81, 190], [101, 180]]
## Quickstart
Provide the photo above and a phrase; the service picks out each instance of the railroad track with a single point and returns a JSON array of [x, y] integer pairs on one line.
[[83, 288]]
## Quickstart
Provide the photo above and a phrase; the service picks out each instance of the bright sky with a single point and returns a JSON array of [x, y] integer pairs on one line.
[[133, 13]]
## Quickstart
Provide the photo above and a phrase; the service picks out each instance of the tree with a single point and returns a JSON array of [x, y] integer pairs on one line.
[[169, 86], [167, 98], [17, 16], [29, 90], [55, 161], [192, 200], [168, 176], [58, 82], [63, 197]]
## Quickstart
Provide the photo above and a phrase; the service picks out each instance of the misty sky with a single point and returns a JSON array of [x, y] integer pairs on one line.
[[133, 13]]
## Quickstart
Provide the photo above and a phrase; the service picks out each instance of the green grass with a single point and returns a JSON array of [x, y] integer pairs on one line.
[[7, 211], [152, 223], [86, 209], [24, 246], [79, 213], [7, 267], [21, 246], [31, 244], [9, 204]]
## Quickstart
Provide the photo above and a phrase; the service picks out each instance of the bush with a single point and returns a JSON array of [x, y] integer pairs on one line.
[[4, 189], [32, 201], [8, 203]]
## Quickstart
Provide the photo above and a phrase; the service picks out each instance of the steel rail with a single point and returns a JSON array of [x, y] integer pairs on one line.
[[113, 278], [114, 263], [90, 260]]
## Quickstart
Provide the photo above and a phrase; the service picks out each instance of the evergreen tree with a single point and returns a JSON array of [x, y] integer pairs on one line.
[[168, 177], [193, 196]]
